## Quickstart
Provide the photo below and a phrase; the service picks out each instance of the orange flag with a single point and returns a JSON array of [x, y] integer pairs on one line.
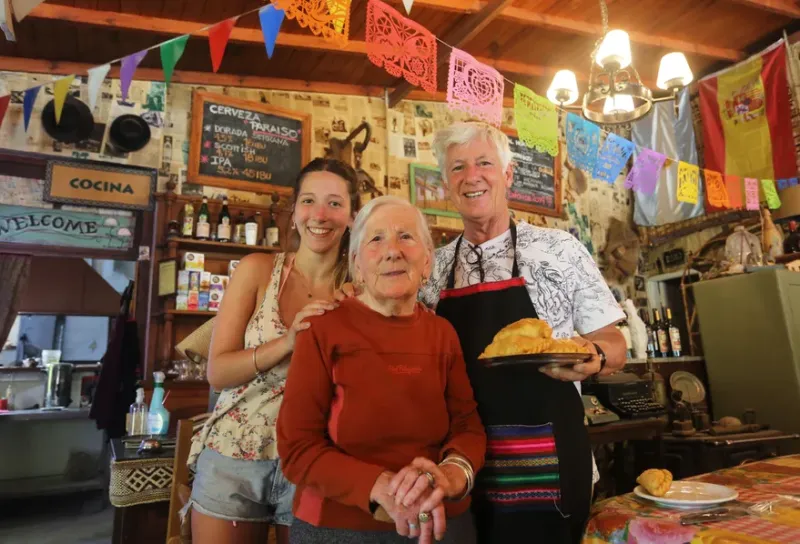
[[716, 190], [734, 186]]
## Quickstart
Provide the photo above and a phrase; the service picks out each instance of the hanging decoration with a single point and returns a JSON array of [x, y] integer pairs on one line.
[[646, 169], [751, 194], [328, 18], [7, 20], [127, 69], [733, 185], [22, 8], [96, 77], [475, 88], [27, 104], [400, 46], [770, 194], [171, 53], [583, 141], [271, 19], [688, 182], [784, 184], [716, 190], [612, 158], [218, 36], [408, 4], [60, 90], [536, 119], [4, 102]]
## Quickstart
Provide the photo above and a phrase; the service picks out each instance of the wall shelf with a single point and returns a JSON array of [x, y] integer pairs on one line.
[[207, 245], [191, 313]]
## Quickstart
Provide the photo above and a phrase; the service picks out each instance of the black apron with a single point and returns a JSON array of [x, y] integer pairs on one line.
[[536, 484]]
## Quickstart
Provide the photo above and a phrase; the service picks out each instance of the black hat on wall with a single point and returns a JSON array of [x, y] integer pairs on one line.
[[76, 123], [128, 133]]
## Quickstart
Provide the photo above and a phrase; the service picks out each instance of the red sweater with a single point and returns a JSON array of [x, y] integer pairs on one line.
[[368, 393]]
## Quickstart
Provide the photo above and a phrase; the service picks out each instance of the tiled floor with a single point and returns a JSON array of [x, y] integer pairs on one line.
[[78, 519]]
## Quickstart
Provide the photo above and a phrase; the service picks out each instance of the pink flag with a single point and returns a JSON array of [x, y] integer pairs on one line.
[[646, 169], [475, 88]]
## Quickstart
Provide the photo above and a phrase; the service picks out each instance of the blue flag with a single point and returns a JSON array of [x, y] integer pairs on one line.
[[583, 141], [271, 20], [27, 104], [612, 158]]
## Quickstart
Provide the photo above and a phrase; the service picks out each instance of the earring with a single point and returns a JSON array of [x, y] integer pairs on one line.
[[424, 282]]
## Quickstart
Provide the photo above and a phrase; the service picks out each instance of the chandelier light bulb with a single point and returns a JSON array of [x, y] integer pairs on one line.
[[615, 49], [564, 88], [618, 103], [674, 72]]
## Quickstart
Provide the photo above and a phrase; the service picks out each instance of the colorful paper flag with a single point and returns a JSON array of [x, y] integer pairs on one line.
[[22, 8], [27, 104], [4, 102], [751, 194], [537, 120], [733, 184], [475, 88], [328, 18], [271, 20], [770, 194], [612, 158], [400, 46], [60, 90], [747, 121], [688, 182], [716, 191], [782, 184], [7, 20], [127, 69], [218, 36], [792, 182], [643, 176], [171, 53], [96, 77], [583, 142], [408, 4]]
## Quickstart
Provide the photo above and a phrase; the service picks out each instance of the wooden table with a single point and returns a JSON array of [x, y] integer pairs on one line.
[[627, 519]]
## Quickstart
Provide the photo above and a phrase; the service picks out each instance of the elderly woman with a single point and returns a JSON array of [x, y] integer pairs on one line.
[[538, 475], [378, 394]]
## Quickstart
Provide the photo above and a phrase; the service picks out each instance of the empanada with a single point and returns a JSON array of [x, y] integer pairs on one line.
[[656, 481], [528, 327], [565, 345]]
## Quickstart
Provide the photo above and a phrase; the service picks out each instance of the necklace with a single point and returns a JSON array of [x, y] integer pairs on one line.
[[306, 284]]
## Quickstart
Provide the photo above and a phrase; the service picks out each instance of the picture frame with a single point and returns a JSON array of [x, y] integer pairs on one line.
[[552, 168], [428, 191]]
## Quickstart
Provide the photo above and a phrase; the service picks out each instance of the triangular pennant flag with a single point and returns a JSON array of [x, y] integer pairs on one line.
[[27, 104], [408, 4], [96, 77], [171, 53], [271, 20], [60, 90], [7, 20], [23, 7], [128, 68], [218, 37], [4, 102]]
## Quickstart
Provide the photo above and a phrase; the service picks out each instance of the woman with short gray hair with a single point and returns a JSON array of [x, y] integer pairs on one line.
[[378, 394]]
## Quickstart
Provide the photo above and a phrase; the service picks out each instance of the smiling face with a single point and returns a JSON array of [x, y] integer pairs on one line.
[[392, 258], [477, 181], [322, 212]]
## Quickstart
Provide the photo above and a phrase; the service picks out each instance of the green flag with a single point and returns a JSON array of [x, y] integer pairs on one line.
[[171, 53]]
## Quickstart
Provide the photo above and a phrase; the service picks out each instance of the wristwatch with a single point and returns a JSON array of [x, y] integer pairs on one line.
[[602, 355]]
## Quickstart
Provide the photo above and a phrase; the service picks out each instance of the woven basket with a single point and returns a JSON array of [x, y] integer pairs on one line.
[[197, 344]]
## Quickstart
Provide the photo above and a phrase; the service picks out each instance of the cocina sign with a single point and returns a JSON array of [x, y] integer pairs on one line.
[[101, 185]]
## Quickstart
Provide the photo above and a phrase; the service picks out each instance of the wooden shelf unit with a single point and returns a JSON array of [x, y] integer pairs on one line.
[[202, 246]]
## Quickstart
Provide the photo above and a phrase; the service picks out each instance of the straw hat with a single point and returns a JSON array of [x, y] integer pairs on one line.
[[196, 345]]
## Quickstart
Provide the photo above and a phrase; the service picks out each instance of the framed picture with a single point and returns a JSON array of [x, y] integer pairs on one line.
[[428, 191], [537, 179]]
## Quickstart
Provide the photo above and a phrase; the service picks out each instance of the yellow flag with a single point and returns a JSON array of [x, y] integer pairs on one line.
[[688, 182], [60, 90]]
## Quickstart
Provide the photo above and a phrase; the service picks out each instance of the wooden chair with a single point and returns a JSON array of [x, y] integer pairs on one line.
[[177, 532]]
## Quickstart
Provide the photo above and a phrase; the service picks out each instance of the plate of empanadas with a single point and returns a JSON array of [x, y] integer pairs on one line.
[[656, 485], [530, 341]]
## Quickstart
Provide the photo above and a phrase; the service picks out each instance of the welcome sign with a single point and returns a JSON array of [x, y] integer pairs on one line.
[[100, 185], [41, 226]]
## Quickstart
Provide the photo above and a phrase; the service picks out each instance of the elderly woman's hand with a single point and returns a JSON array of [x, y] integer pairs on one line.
[[577, 372], [347, 290], [406, 519], [412, 484]]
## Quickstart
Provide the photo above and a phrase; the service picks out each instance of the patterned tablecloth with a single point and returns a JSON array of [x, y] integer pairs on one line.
[[629, 520]]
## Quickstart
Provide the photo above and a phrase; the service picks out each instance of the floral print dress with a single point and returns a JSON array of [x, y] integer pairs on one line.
[[242, 425]]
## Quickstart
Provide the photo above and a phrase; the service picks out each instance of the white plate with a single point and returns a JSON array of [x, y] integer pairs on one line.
[[684, 494]]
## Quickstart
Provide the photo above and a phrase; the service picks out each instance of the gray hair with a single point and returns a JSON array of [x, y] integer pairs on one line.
[[357, 231], [465, 133]]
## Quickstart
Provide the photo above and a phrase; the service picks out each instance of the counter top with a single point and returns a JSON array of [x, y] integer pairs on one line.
[[45, 415], [656, 360]]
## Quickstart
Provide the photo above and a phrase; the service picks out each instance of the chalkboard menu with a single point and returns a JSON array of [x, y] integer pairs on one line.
[[537, 179], [245, 145]]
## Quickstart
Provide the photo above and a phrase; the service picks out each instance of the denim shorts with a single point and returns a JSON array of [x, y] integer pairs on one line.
[[239, 490]]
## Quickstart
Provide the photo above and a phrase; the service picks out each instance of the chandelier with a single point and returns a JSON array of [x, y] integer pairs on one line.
[[616, 94]]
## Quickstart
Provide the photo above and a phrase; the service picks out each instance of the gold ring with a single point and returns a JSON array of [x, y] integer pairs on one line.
[[431, 480], [424, 517]]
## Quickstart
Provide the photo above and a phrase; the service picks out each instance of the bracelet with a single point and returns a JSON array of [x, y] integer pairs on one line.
[[466, 467], [255, 364]]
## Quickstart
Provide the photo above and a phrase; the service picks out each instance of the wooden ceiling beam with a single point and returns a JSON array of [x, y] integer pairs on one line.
[[456, 37], [573, 26], [780, 7]]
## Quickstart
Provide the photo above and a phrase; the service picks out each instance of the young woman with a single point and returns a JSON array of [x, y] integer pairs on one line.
[[239, 489]]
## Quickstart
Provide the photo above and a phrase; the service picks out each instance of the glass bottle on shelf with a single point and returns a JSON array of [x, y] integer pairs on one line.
[[273, 238], [187, 228], [651, 338], [224, 224], [238, 228], [674, 334], [662, 335], [203, 229], [260, 222]]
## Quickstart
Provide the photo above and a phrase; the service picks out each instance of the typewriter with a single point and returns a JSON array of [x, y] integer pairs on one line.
[[626, 394]]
